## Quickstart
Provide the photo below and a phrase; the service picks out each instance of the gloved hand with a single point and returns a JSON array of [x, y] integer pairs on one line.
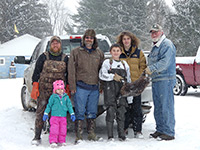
[[45, 117], [73, 118], [117, 77], [148, 71], [68, 91], [35, 91]]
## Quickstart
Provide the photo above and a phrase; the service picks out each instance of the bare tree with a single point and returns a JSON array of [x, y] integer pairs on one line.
[[59, 15]]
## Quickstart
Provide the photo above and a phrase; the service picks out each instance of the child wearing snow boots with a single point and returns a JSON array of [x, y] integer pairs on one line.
[[59, 103], [114, 73]]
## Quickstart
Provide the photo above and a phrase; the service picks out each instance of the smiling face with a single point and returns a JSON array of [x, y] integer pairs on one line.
[[156, 35], [126, 40], [59, 91], [55, 46], [115, 52], [89, 40]]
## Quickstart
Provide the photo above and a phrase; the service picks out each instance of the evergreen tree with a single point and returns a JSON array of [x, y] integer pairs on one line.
[[185, 26], [91, 14], [29, 16], [111, 17]]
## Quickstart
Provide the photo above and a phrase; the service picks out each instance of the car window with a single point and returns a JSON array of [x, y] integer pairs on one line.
[[74, 43], [103, 45], [36, 52], [67, 45]]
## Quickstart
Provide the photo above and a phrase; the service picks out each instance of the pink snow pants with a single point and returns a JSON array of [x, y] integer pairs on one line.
[[58, 129]]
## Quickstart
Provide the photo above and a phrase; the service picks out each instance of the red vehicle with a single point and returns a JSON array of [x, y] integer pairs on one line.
[[187, 73]]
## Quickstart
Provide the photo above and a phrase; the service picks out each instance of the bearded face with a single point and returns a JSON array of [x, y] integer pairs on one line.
[[55, 46], [89, 40], [156, 35]]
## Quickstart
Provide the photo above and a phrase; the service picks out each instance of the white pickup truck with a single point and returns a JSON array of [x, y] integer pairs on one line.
[[68, 43]]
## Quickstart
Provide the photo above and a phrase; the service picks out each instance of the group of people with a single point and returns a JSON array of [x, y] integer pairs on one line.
[[80, 76]]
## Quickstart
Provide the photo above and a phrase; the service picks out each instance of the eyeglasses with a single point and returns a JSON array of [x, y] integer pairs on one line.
[[55, 43], [89, 37]]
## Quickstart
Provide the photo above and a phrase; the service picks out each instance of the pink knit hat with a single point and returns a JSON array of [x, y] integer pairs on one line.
[[58, 84]]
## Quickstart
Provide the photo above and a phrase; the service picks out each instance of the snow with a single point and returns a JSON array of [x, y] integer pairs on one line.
[[185, 60], [23, 45], [16, 125], [189, 59], [198, 55]]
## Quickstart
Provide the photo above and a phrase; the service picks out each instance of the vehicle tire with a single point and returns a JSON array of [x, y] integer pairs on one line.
[[179, 85], [23, 98], [144, 118], [146, 108], [185, 88]]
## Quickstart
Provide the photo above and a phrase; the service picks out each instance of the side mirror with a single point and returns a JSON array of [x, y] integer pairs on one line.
[[21, 60]]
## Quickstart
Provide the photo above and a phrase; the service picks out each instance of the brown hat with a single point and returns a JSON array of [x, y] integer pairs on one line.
[[57, 38], [156, 27], [90, 32]]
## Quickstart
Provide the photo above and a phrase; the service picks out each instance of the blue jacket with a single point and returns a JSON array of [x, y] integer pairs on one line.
[[162, 60], [59, 106]]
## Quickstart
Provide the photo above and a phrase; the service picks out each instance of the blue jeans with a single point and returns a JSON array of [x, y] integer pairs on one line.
[[163, 99], [86, 103]]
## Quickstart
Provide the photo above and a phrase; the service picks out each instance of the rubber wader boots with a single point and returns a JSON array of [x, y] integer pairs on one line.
[[37, 140], [120, 129], [78, 130], [91, 125], [109, 129]]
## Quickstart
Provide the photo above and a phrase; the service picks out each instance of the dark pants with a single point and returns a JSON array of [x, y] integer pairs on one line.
[[41, 105], [111, 114], [134, 115], [115, 105]]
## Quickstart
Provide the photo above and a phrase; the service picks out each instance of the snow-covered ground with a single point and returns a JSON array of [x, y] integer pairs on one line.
[[16, 124]]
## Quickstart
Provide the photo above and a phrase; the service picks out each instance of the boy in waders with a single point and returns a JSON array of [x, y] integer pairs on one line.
[[115, 72]]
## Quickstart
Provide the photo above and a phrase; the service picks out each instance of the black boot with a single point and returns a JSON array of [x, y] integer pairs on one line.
[[91, 125], [37, 140], [78, 130], [109, 129], [120, 129]]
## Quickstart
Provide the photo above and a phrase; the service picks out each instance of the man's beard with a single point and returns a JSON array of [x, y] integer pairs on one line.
[[156, 39], [55, 53], [88, 44]]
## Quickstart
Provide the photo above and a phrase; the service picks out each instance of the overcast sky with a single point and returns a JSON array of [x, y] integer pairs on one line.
[[71, 5]]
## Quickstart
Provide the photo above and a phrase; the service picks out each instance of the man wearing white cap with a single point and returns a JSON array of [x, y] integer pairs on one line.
[[162, 69]]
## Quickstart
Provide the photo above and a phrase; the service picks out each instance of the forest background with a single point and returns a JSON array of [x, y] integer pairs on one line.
[[41, 18]]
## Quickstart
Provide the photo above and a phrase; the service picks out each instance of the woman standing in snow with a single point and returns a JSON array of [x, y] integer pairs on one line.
[[137, 62], [114, 72]]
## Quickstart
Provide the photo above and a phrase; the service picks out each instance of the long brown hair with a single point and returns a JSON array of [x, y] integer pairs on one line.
[[134, 40]]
